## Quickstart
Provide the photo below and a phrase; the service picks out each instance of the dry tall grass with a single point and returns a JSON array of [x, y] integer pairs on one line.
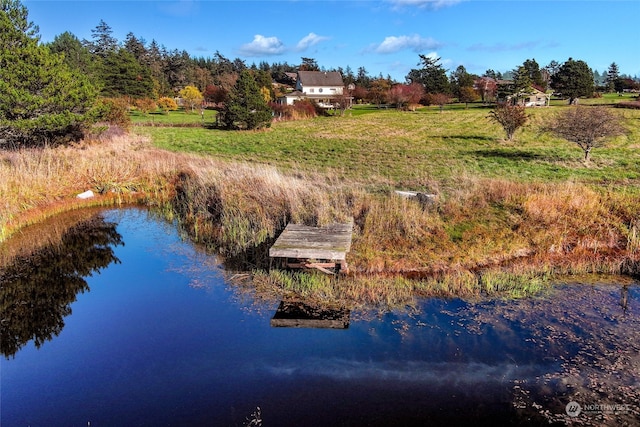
[[480, 224], [36, 183], [478, 232], [236, 206]]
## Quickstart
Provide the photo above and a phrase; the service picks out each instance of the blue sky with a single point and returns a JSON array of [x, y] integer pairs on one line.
[[383, 36]]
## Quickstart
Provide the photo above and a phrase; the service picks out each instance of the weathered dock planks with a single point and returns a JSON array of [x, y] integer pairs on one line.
[[314, 247]]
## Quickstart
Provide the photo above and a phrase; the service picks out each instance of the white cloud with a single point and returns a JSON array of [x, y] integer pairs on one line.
[[416, 43], [309, 40], [424, 4], [262, 45]]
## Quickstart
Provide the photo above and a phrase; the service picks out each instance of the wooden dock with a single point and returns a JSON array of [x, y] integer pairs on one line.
[[322, 248]]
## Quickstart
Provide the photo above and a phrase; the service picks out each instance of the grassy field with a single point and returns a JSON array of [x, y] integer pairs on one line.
[[173, 118], [411, 149]]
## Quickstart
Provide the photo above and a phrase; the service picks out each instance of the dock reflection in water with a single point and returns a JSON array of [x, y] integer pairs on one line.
[[296, 314]]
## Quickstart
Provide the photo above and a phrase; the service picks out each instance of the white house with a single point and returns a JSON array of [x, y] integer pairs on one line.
[[537, 98], [318, 86]]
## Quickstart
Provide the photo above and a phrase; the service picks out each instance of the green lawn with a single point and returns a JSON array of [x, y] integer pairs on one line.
[[411, 148], [174, 118]]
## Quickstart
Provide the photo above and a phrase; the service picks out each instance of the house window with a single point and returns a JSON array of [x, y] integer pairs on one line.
[[320, 90]]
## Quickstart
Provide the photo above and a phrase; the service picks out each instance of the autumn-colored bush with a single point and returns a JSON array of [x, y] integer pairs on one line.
[[114, 111], [303, 109], [145, 105], [440, 99], [167, 104]]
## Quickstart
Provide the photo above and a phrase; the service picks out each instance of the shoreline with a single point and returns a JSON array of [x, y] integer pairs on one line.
[[483, 234]]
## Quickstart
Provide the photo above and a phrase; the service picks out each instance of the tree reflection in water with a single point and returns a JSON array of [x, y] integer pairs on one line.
[[36, 291]]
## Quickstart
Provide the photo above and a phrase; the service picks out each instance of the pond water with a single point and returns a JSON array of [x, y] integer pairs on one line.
[[124, 323]]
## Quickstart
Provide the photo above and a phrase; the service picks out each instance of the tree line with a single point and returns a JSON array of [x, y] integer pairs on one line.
[[139, 69], [54, 92]]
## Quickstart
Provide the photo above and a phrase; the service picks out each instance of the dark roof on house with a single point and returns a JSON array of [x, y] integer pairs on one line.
[[320, 78], [538, 88]]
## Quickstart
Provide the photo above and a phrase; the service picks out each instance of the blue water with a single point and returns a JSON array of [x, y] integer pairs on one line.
[[163, 338]]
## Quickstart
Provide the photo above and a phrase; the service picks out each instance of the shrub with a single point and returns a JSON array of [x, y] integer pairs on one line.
[[145, 105], [510, 117], [589, 127], [114, 111], [167, 104], [440, 99]]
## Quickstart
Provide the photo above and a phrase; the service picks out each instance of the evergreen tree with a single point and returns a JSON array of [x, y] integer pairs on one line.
[[460, 79], [522, 82], [348, 76], [612, 77], [553, 67], [533, 71], [42, 101], [597, 78], [573, 79], [76, 56], [122, 75], [176, 69], [309, 64], [136, 47], [16, 25], [363, 79], [245, 108], [103, 42], [432, 76], [155, 60], [496, 75]]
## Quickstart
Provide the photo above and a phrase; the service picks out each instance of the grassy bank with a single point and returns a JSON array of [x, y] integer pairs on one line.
[[506, 219], [37, 183]]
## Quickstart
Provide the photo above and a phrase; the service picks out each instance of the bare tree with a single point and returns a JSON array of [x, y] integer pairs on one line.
[[510, 117], [342, 102], [589, 127], [440, 99]]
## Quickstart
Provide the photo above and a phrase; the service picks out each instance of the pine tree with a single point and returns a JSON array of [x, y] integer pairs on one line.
[[123, 75], [246, 108], [103, 42], [432, 76], [42, 101], [533, 71], [613, 75], [573, 79], [76, 56]]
